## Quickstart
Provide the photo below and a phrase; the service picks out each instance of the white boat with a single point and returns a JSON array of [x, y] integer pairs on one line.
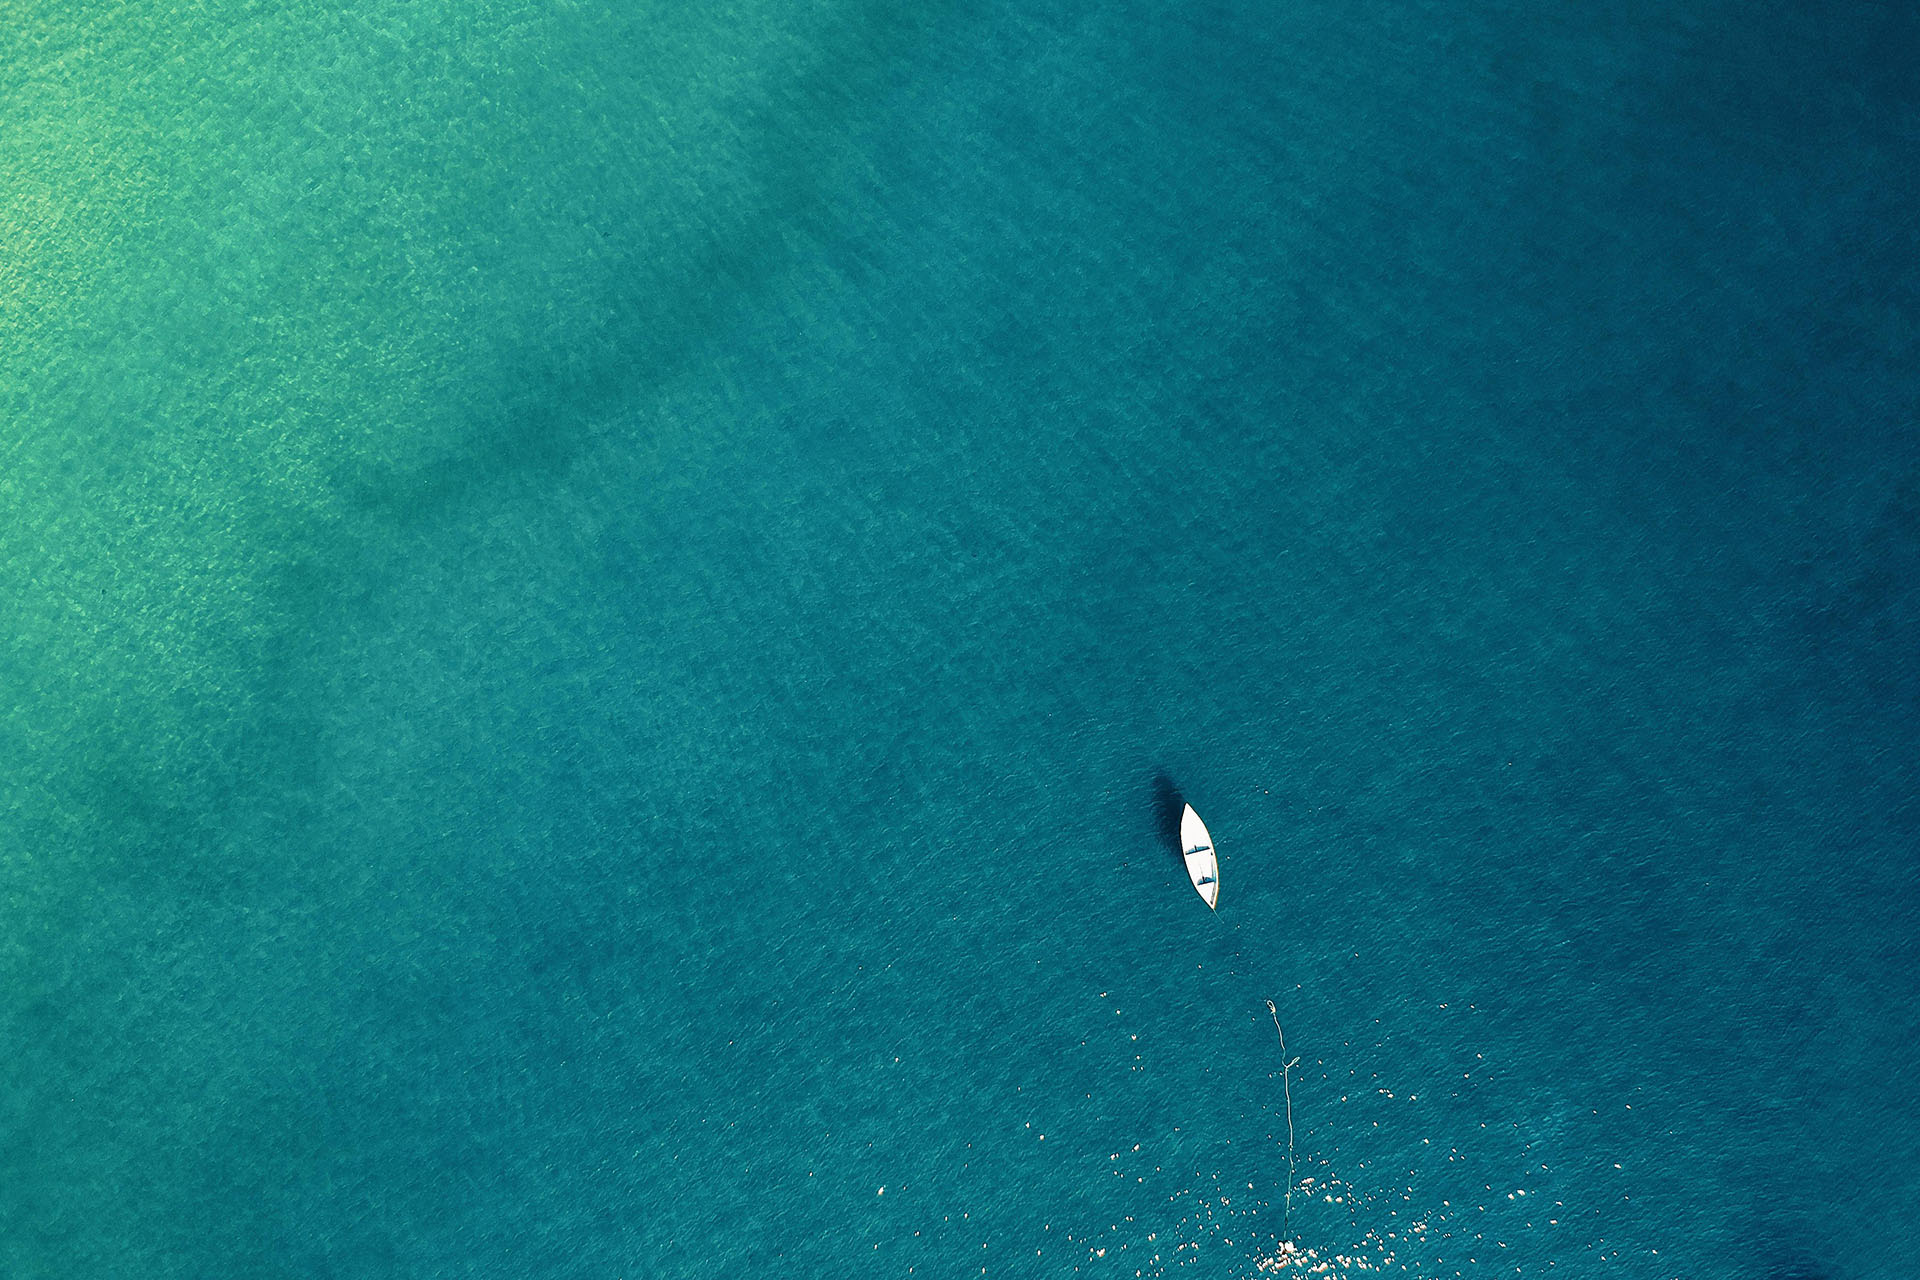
[[1203, 867]]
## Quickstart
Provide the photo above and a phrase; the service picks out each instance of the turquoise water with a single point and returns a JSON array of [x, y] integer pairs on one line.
[[603, 607]]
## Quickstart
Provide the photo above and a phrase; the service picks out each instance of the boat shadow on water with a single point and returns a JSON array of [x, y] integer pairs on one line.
[[1167, 806]]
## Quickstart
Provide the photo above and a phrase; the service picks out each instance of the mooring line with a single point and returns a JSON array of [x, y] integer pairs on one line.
[[1286, 1084]]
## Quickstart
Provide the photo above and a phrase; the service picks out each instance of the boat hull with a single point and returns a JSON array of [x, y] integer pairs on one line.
[[1203, 863]]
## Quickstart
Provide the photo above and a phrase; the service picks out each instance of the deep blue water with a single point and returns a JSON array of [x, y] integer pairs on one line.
[[609, 603]]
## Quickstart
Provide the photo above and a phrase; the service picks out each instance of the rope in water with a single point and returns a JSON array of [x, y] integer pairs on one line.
[[1286, 1083]]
